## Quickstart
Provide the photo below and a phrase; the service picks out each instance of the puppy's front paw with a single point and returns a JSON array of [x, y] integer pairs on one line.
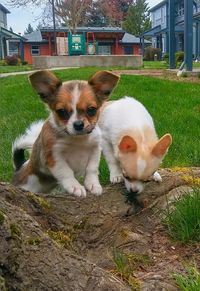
[[157, 177], [94, 188], [75, 188], [114, 179], [79, 191]]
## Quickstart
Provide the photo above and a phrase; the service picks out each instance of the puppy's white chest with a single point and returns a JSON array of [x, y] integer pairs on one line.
[[77, 158], [76, 152]]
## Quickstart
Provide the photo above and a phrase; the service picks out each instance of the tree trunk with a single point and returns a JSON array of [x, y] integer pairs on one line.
[[61, 242]]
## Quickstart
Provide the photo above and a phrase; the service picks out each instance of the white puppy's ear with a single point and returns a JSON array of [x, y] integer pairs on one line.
[[161, 147], [103, 83], [46, 85], [127, 144]]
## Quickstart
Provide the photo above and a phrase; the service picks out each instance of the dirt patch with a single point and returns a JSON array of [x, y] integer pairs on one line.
[[71, 244], [162, 74]]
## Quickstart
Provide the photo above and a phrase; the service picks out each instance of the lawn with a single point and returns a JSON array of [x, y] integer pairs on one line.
[[174, 106], [146, 65], [159, 65], [10, 69], [155, 65]]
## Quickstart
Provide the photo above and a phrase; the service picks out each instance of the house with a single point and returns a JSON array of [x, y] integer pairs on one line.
[[98, 40], [160, 16], [10, 42], [47, 42]]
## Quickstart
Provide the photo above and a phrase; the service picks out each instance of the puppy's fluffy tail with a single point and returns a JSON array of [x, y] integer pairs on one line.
[[25, 142]]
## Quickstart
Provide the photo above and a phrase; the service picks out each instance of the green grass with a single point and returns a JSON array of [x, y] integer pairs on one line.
[[183, 218], [155, 65], [190, 281], [174, 107], [126, 264], [163, 65], [196, 65], [146, 65], [10, 69]]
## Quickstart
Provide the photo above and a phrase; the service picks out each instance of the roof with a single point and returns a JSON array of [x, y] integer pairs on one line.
[[130, 38], [11, 34], [4, 9], [157, 30], [152, 31], [86, 29], [34, 36], [158, 5]]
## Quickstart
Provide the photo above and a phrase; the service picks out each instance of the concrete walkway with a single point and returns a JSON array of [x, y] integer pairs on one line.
[[2, 75], [147, 72]]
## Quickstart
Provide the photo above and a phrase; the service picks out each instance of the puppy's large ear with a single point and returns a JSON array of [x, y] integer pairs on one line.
[[46, 84], [127, 145], [161, 147], [103, 83]]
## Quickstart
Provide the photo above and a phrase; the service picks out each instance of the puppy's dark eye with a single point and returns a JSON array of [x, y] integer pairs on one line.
[[91, 111], [63, 114]]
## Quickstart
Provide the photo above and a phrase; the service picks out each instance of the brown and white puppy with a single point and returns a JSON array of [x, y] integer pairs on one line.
[[67, 144]]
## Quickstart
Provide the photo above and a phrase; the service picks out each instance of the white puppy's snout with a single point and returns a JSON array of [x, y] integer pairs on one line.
[[136, 186]]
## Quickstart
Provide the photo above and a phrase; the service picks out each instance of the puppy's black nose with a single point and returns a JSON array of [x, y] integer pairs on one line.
[[78, 125], [135, 192]]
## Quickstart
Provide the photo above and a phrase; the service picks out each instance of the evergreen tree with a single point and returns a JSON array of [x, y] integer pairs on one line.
[[138, 19], [29, 29], [94, 16]]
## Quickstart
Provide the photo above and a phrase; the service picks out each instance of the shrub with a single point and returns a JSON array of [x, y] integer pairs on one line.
[[150, 52], [179, 57], [13, 60], [24, 63], [3, 63], [166, 58]]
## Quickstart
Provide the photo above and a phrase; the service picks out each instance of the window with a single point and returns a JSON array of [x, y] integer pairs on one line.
[[3, 19], [35, 50], [104, 50], [179, 8], [128, 50], [13, 48]]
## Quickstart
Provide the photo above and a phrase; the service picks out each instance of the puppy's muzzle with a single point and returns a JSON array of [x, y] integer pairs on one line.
[[78, 125], [79, 128]]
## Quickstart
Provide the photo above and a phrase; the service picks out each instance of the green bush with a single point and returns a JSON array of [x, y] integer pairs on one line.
[[179, 57], [13, 60], [150, 52], [3, 63], [24, 63], [166, 58]]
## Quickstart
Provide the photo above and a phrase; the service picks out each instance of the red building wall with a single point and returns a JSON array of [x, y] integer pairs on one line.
[[47, 49], [136, 49], [44, 51], [27, 53]]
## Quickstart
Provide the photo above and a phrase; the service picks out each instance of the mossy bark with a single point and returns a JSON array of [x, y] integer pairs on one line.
[[69, 244]]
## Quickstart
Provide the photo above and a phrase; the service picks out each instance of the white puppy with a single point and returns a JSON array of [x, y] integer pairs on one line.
[[130, 144]]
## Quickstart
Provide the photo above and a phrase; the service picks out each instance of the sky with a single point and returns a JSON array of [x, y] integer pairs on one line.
[[19, 18]]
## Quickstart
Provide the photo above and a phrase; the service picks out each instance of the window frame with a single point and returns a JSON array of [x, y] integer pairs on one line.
[[35, 49]]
